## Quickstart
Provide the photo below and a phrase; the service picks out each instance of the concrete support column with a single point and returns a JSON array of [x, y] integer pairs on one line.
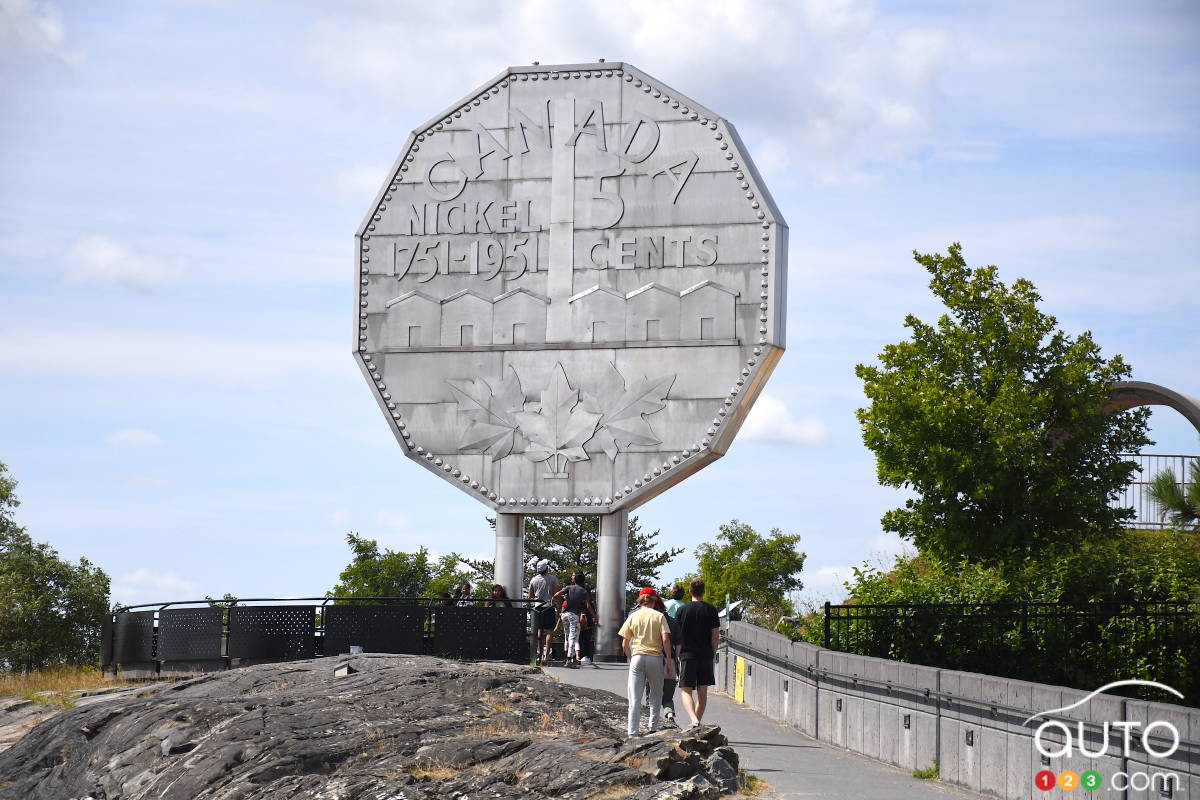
[[510, 553], [611, 566]]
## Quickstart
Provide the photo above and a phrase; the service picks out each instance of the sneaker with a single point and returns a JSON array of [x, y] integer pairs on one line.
[[669, 716], [587, 659]]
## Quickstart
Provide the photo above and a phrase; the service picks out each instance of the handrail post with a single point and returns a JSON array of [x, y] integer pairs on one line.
[[826, 639]]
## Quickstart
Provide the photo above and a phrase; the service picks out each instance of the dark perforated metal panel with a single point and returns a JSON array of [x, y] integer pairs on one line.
[[272, 632], [133, 639], [377, 629], [497, 634], [189, 634], [106, 641]]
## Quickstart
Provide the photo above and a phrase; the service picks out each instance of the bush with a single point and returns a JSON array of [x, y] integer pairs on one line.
[[1072, 642]]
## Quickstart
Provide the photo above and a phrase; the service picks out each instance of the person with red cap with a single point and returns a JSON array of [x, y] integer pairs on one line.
[[669, 682], [646, 641]]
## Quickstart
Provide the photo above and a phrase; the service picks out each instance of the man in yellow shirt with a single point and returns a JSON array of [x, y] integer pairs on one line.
[[645, 639]]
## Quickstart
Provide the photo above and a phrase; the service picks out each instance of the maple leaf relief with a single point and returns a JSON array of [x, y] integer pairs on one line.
[[494, 428], [559, 427], [555, 429], [623, 408]]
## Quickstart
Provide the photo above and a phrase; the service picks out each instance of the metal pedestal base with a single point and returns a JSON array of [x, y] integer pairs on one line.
[[611, 567], [510, 553]]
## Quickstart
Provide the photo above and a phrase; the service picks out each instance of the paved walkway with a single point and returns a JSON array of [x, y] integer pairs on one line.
[[793, 764]]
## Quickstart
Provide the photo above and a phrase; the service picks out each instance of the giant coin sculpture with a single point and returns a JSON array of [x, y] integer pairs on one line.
[[571, 288]]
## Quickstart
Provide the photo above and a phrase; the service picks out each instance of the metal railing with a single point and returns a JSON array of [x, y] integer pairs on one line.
[[1135, 495], [1071, 644], [204, 635], [900, 691]]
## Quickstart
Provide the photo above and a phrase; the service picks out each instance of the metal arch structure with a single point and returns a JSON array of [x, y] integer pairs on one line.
[[569, 291], [1132, 394]]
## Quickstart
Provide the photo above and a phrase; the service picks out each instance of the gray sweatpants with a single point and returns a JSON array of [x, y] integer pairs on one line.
[[644, 672]]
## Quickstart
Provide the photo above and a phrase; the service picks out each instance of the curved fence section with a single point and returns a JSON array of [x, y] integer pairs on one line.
[[186, 637], [1069, 644]]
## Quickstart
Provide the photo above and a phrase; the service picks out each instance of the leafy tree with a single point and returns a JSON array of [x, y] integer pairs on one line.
[[51, 611], [573, 543], [926, 579], [1179, 504], [758, 570], [387, 573], [1133, 566], [996, 419], [1089, 650]]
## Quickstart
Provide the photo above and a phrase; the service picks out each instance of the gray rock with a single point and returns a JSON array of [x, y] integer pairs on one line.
[[724, 773], [400, 728]]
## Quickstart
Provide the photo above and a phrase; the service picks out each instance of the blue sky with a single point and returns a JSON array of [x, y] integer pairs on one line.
[[180, 182]]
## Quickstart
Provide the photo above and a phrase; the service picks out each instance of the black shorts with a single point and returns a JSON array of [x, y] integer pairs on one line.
[[695, 672], [545, 618]]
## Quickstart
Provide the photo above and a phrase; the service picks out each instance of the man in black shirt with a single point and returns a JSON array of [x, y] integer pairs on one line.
[[700, 633]]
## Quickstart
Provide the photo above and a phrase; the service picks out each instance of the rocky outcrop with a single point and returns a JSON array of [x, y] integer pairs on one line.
[[19, 715], [396, 728]]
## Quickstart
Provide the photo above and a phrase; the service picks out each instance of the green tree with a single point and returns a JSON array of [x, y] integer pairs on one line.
[[1180, 504], [51, 611], [386, 573], [758, 570], [996, 420], [573, 543]]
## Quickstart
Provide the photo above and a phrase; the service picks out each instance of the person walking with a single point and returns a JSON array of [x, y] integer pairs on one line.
[[645, 640], [542, 589], [676, 602], [669, 683], [577, 601], [587, 630], [699, 633]]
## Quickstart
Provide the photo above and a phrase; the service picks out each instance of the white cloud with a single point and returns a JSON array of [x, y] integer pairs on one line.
[[844, 87], [31, 29], [148, 586], [391, 520], [771, 421], [134, 437], [825, 583], [887, 546], [115, 354], [148, 482], [359, 183], [98, 259]]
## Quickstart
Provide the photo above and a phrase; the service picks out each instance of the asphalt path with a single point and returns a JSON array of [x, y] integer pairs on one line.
[[793, 764]]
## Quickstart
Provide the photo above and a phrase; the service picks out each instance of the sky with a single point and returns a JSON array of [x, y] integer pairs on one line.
[[180, 182]]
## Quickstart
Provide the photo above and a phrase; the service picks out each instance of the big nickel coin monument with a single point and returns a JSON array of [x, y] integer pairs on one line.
[[570, 290]]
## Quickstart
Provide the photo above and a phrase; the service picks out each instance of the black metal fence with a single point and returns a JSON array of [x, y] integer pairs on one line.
[[1135, 495], [1070, 644], [202, 635]]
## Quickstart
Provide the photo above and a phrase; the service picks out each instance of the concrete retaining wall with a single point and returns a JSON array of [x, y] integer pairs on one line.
[[971, 725]]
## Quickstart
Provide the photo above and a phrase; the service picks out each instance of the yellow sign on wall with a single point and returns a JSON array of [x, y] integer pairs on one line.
[[739, 678]]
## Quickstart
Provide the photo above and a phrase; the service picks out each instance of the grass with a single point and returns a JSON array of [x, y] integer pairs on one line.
[[931, 772], [508, 725], [751, 785], [495, 705], [431, 772], [615, 791], [53, 686]]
